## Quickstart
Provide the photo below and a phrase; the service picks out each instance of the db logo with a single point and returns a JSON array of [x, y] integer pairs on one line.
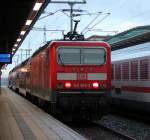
[[82, 76]]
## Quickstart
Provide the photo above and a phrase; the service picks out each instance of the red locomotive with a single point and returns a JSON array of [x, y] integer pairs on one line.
[[70, 76]]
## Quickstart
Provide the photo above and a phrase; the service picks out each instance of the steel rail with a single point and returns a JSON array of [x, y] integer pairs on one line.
[[115, 132]]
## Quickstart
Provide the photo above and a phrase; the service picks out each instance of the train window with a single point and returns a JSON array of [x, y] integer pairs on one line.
[[134, 70], [69, 56], [118, 71], [94, 56], [85, 56], [144, 69], [125, 71]]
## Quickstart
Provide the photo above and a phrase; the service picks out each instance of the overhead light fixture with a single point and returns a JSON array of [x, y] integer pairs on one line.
[[19, 39], [37, 6], [15, 45], [28, 22], [13, 49], [22, 32]]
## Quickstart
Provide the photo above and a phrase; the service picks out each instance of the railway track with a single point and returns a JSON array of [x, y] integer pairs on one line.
[[114, 132], [97, 131], [138, 115]]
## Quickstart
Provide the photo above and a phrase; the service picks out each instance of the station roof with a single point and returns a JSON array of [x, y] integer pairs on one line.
[[14, 14], [134, 36]]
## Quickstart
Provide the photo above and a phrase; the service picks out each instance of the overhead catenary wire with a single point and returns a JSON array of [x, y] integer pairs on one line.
[[129, 19], [121, 2], [42, 29], [99, 13], [101, 30], [100, 20], [50, 14], [97, 22]]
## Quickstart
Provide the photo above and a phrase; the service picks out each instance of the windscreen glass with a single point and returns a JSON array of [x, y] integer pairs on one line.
[[81, 56], [93, 56], [68, 56]]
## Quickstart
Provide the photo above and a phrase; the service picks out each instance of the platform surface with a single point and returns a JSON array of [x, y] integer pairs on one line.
[[21, 120]]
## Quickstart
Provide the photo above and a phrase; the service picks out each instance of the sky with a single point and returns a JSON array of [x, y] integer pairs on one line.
[[124, 15]]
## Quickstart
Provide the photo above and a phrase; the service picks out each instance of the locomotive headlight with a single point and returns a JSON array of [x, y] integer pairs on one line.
[[67, 85], [95, 84]]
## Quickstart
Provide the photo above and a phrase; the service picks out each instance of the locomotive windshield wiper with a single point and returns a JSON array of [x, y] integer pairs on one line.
[[60, 59]]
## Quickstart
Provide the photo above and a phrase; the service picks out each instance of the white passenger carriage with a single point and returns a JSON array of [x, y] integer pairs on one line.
[[131, 82]]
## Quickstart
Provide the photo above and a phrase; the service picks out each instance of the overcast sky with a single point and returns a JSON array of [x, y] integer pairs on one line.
[[124, 14]]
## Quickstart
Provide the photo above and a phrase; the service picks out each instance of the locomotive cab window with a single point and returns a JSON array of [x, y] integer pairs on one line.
[[81, 56], [94, 56], [68, 56]]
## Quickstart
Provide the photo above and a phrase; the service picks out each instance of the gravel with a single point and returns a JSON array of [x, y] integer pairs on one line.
[[137, 130], [92, 131]]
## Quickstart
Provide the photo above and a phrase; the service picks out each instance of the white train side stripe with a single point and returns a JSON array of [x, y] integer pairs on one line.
[[66, 76], [97, 76]]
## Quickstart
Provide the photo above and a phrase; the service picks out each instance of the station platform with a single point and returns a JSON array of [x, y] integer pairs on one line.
[[21, 120]]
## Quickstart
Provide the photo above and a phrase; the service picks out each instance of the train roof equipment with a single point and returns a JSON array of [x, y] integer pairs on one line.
[[73, 35]]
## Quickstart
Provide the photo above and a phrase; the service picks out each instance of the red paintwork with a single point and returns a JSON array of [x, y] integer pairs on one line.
[[44, 74], [136, 89], [39, 71]]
